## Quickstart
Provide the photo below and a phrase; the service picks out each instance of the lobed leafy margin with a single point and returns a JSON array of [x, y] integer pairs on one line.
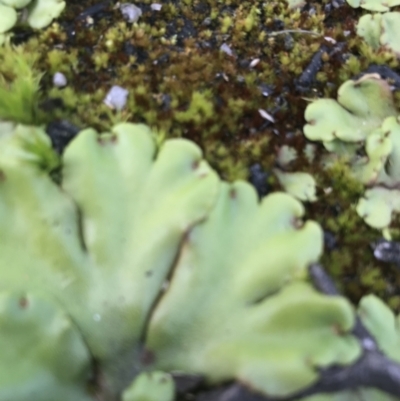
[[144, 245]]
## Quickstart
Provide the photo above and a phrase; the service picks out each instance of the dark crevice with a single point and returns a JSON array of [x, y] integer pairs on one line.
[[61, 132], [147, 355], [80, 225]]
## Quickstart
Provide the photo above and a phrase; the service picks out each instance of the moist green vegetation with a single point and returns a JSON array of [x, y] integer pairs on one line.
[[127, 220], [182, 85], [347, 253]]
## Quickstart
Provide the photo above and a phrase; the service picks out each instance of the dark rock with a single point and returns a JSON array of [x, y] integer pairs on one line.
[[185, 383], [387, 251], [258, 177], [330, 240], [61, 133]]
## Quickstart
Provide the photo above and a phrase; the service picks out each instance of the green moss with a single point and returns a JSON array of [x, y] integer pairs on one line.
[[339, 261], [351, 261], [19, 87], [201, 108], [394, 302]]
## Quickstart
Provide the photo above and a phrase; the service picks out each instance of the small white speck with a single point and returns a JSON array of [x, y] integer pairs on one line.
[[329, 39], [130, 12], [59, 80], [226, 49], [116, 98], [266, 115], [156, 6], [254, 62], [96, 317]]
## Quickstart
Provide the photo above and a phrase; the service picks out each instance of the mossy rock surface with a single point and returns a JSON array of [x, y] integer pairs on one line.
[[235, 77], [210, 72], [213, 72]]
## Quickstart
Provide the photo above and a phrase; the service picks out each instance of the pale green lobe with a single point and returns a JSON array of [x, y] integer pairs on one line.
[[384, 326], [381, 30], [354, 3], [391, 174], [391, 31], [300, 185], [286, 155], [7, 128], [382, 168], [42, 12], [374, 5], [8, 18], [137, 246], [370, 29], [138, 203], [37, 13], [381, 322], [152, 386], [296, 3], [362, 130], [91, 245], [361, 107], [43, 356], [377, 205], [17, 4], [258, 322], [378, 147]]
